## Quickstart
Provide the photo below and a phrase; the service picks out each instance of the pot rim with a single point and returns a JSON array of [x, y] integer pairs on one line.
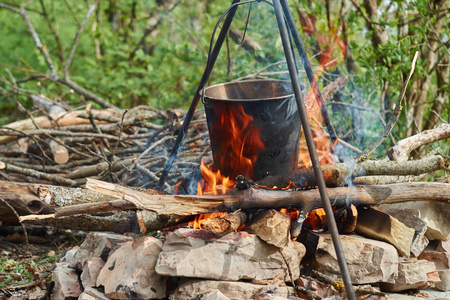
[[206, 97]]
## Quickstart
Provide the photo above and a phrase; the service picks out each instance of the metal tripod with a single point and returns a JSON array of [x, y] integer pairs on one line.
[[283, 15]]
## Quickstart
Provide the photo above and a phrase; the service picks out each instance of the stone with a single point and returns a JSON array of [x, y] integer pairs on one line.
[[444, 284], [440, 259], [413, 273], [272, 227], [316, 289], [90, 272], [96, 244], [410, 217], [67, 285], [69, 254], [268, 296], [369, 261], [215, 295], [129, 272], [234, 290], [91, 293], [443, 246], [435, 214], [237, 255], [440, 256], [381, 226], [85, 296]]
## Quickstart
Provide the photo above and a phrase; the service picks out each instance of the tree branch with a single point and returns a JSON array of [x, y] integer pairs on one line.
[[77, 38], [55, 33], [401, 151], [37, 42], [392, 120]]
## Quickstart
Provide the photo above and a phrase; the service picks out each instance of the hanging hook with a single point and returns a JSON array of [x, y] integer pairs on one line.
[[246, 25]]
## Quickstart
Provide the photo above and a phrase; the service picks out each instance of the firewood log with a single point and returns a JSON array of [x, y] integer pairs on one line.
[[23, 198], [60, 153], [342, 173], [260, 198], [226, 224]]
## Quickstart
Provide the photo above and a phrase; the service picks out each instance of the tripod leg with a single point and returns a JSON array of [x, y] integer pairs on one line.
[[190, 114], [288, 51], [308, 70]]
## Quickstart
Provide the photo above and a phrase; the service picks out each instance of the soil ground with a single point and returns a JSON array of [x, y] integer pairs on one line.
[[25, 269]]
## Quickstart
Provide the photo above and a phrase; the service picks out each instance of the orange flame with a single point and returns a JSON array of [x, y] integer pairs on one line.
[[214, 183], [332, 50], [240, 145], [316, 218], [199, 219], [321, 138], [291, 212], [240, 141]]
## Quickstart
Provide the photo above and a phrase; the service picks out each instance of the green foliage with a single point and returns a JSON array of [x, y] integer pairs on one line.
[[163, 68], [13, 270]]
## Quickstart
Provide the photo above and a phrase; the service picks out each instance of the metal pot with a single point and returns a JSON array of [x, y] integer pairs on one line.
[[273, 118]]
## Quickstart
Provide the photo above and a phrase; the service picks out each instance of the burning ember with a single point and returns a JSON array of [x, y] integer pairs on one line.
[[199, 219], [316, 218]]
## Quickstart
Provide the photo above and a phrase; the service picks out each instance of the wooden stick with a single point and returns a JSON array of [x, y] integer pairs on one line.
[[60, 153], [401, 151], [343, 173], [63, 119]]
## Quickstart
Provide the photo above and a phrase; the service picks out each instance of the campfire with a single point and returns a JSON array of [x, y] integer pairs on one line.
[[261, 203]]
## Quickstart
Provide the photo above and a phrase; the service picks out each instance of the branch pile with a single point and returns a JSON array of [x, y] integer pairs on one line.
[[128, 148]]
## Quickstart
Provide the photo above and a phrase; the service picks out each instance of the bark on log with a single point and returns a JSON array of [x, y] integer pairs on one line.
[[120, 222], [32, 199], [260, 198], [41, 202], [23, 198], [343, 173], [167, 210]]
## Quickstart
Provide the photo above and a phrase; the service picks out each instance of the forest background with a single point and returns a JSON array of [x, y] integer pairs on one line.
[[127, 53]]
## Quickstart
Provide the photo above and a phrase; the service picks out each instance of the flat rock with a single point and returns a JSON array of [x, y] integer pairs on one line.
[[96, 244], [272, 227], [441, 259], [215, 295], [129, 272], [237, 255], [444, 246], [69, 254], [411, 218], [368, 260], [90, 272], [67, 285], [234, 290], [378, 225], [91, 293], [444, 284], [413, 273]]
